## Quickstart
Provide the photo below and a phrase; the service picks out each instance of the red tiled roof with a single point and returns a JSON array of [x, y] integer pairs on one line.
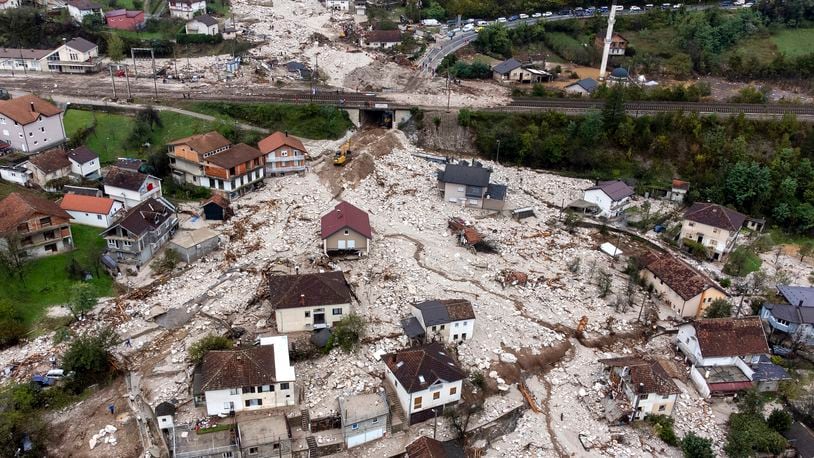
[[308, 290], [417, 369], [278, 139], [203, 143], [238, 368], [426, 447], [384, 36], [20, 109], [18, 208], [218, 200], [677, 275], [646, 376], [681, 184], [715, 215], [236, 155], [731, 337], [346, 215], [87, 204]]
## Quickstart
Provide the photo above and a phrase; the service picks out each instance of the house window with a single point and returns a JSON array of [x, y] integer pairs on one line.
[[432, 328], [226, 455], [662, 408], [234, 391], [308, 314], [455, 337], [284, 153], [644, 396], [337, 311], [51, 247], [99, 217], [253, 450], [354, 426], [666, 396], [45, 221], [22, 227], [436, 395], [453, 390], [375, 420], [249, 389], [417, 402], [228, 406], [266, 388], [74, 56], [127, 243], [463, 336], [254, 402], [442, 327], [284, 386]]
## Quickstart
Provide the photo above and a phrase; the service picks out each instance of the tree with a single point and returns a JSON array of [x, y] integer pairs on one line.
[[347, 332], [805, 250], [751, 402], [695, 446], [82, 300], [614, 111], [603, 283], [211, 342], [719, 308], [13, 257], [89, 359], [93, 22], [12, 325], [115, 47], [779, 420]]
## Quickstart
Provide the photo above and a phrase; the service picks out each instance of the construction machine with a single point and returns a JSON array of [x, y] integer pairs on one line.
[[343, 155]]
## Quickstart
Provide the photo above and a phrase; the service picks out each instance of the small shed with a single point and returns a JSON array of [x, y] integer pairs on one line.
[[217, 208], [165, 413], [610, 249], [192, 245]]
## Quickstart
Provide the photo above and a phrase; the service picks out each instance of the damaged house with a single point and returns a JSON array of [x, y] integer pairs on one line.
[[141, 232], [445, 320], [469, 186], [793, 318], [305, 302], [638, 388], [686, 291]]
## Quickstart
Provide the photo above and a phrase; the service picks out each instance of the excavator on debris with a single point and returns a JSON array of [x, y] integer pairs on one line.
[[343, 155]]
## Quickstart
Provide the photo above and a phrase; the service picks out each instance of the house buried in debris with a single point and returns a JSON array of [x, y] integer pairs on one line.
[[346, 229], [305, 302], [794, 318], [713, 226], [446, 320], [686, 291], [469, 186], [638, 388]]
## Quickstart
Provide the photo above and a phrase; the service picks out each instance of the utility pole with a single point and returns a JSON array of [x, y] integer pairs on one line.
[[135, 67], [127, 79], [112, 81], [497, 156], [175, 59], [155, 76], [449, 90]]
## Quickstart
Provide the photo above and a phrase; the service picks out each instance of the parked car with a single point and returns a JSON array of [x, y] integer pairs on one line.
[[604, 9], [635, 8], [468, 28], [619, 8], [513, 18], [4, 95], [677, 6], [564, 13], [649, 6], [548, 14], [501, 20], [665, 6], [481, 23], [536, 15]]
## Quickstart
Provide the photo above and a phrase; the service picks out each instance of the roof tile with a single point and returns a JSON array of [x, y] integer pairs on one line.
[[345, 215], [307, 290], [417, 369]]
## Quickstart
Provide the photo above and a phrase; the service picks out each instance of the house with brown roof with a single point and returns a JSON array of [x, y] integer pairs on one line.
[[80, 163], [187, 155], [639, 387], [39, 226], [612, 197], [131, 188], [346, 229], [142, 231], [252, 378], [687, 291], [426, 380], [23, 59], [618, 44], [91, 210], [75, 56], [31, 124], [285, 154], [443, 320], [427, 447], [381, 39], [204, 24], [305, 302], [78, 9], [235, 171], [678, 190], [713, 226], [85, 163], [722, 352], [217, 208]]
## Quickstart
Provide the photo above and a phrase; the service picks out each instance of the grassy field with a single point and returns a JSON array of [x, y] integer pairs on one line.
[[761, 49], [141, 35], [112, 131], [47, 282], [794, 42]]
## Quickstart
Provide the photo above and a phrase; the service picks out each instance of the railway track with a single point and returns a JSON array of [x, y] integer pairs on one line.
[[661, 107]]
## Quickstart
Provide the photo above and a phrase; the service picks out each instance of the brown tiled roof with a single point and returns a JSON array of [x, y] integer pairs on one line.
[[82, 154], [51, 160], [681, 184], [237, 154], [677, 275], [646, 376], [436, 312], [430, 363], [124, 178], [204, 143], [88, 204], [128, 163], [27, 53], [308, 290], [384, 36], [715, 215], [146, 216], [237, 368], [731, 337], [19, 109], [345, 215], [218, 200], [426, 447], [18, 208], [278, 139]]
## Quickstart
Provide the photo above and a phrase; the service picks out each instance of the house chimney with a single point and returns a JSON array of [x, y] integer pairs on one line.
[[32, 107], [641, 387], [302, 299], [286, 133]]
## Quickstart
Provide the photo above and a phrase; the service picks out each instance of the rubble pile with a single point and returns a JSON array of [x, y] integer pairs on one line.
[[104, 436]]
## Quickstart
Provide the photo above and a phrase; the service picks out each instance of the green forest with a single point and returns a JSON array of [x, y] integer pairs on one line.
[[762, 168]]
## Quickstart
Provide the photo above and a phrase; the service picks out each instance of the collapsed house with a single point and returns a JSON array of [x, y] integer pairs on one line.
[[638, 387]]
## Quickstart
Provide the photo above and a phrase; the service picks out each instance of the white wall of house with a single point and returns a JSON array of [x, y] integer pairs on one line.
[[453, 332], [14, 175], [187, 11], [22, 65], [341, 5], [165, 421], [195, 26], [700, 382], [68, 54], [222, 401], [95, 219], [132, 198], [88, 169], [609, 208], [234, 184], [78, 15], [302, 318], [9, 4], [401, 393], [41, 134], [654, 404], [444, 391], [719, 241], [576, 89], [693, 307], [456, 193]]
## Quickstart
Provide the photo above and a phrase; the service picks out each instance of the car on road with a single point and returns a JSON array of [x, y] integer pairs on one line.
[[635, 8], [536, 15], [523, 16], [564, 13], [604, 9], [649, 6], [677, 6], [748, 5], [726, 4], [590, 11], [468, 28], [513, 18], [665, 6], [481, 23], [4, 95], [619, 8], [548, 14], [501, 20]]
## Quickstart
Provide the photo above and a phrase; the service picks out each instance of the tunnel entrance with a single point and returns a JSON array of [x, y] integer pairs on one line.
[[376, 118]]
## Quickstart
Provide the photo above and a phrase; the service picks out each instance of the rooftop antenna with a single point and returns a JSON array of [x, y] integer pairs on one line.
[[608, 39]]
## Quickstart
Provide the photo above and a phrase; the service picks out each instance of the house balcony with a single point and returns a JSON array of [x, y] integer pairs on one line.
[[295, 168], [296, 157]]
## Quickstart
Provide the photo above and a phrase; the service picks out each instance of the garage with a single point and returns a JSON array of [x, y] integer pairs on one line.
[[365, 436]]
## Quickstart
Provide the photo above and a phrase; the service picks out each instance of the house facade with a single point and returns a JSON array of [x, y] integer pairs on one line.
[[713, 226], [612, 197], [686, 291], [48, 165], [364, 418], [187, 155], [136, 237], [75, 56], [85, 163], [618, 44], [640, 387], [447, 320], [125, 19], [469, 186], [131, 188], [186, 9], [338, 5], [426, 380], [15, 174], [793, 318], [23, 60], [78, 9], [346, 229], [381, 39], [679, 190], [285, 154], [305, 302], [39, 226], [253, 378], [91, 210], [235, 171], [30, 124], [204, 25]]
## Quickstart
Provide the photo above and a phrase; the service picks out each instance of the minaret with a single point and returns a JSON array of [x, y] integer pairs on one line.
[[608, 38]]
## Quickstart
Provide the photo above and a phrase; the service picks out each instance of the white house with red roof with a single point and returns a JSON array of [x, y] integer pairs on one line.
[[91, 210], [346, 229], [285, 154]]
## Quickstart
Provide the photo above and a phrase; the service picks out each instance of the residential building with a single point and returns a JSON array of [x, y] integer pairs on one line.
[[82, 190], [85, 163], [76, 56], [469, 186], [639, 387], [338, 5], [47, 166], [165, 415], [217, 208], [346, 229], [141, 232], [721, 352], [713, 226], [612, 197], [793, 318], [91, 210], [285, 154], [78, 9], [426, 380], [15, 174], [427, 447], [128, 163], [125, 19], [131, 188], [679, 190], [188, 443], [767, 376], [193, 245], [686, 291], [30, 124], [253, 378], [265, 436], [446, 320], [235, 171], [305, 302], [39, 226], [186, 9], [187, 155], [23, 60], [204, 25], [364, 417], [9, 4], [360, 7], [618, 44], [585, 86], [381, 39], [511, 70]]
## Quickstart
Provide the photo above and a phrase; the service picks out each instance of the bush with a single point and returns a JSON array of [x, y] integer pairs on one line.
[[694, 446], [719, 308], [725, 282], [742, 261], [211, 342], [12, 326], [167, 263], [185, 191], [478, 379], [779, 420], [198, 38], [749, 433], [697, 250], [663, 426], [347, 333]]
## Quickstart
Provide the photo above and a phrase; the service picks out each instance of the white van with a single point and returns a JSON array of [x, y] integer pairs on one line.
[[502, 20], [468, 28]]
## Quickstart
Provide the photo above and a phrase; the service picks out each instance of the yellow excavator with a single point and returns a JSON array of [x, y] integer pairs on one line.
[[343, 155]]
